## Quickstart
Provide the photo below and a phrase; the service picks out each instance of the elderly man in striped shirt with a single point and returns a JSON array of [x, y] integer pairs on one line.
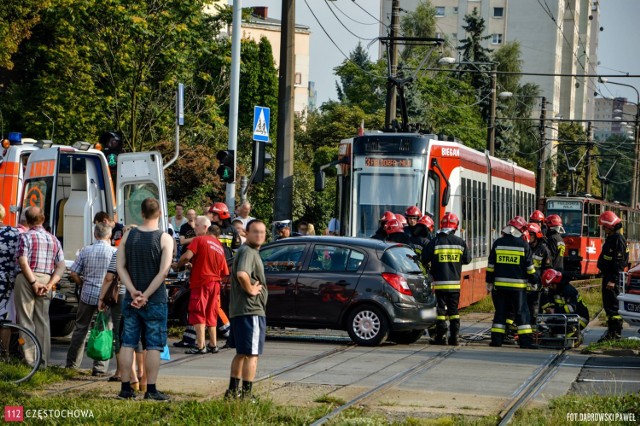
[[41, 262], [88, 271]]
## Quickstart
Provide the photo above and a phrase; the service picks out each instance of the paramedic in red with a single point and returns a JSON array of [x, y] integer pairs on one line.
[[208, 265]]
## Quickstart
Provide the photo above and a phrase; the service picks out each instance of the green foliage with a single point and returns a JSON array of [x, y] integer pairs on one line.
[[571, 154], [618, 163], [419, 23], [362, 82], [17, 18]]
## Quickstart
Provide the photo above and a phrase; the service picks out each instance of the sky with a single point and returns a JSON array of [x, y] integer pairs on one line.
[[618, 44]]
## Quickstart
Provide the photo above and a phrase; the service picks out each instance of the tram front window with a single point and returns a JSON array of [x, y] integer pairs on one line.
[[571, 214], [378, 193]]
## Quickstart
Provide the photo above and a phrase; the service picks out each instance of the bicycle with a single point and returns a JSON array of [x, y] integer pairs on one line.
[[14, 339]]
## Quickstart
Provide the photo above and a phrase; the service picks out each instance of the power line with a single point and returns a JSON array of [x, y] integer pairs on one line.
[[344, 26], [367, 12], [335, 4]]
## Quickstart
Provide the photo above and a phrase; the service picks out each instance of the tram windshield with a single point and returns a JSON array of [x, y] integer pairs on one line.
[[377, 193], [570, 212]]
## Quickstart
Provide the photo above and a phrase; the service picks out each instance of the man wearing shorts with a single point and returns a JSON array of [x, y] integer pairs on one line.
[[209, 265], [247, 310], [143, 262]]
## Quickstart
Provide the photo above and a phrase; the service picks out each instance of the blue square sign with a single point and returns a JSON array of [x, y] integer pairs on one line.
[[261, 116]]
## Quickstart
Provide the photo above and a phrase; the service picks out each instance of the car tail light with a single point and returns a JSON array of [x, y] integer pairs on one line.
[[397, 282]]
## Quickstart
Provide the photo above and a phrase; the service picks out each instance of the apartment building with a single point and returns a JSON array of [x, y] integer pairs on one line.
[[621, 113]]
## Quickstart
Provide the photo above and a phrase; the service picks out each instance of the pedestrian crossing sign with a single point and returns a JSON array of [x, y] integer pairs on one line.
[[261, 116]]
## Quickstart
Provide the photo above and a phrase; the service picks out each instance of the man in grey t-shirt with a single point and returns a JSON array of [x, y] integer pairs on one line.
[[247, 310]]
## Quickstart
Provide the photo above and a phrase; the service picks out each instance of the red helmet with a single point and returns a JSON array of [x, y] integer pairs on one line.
[[519, 223], [387, 216], [427, 221], [449, 221], [534, 229], [401, 219], [393, 226], [221, 210], [553, 220], [525, 236], [536, 216], [551, 276], [608, 220], [413, 211]]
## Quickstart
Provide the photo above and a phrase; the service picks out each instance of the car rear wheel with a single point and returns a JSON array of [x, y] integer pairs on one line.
[[62, 328], [367, 326], [405, 337]]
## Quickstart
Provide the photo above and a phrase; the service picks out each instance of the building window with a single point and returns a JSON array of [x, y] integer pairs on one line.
[[498, 12], [298, 78], [454, 36], [438, 35], [455, 9], [439, 10], [496, 39]]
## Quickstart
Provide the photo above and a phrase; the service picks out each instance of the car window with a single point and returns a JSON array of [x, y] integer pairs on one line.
[[282, 257], [402, 259], [332, 258]]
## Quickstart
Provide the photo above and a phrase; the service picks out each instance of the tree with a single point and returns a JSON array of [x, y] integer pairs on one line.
[[419, 23], [17, 18]]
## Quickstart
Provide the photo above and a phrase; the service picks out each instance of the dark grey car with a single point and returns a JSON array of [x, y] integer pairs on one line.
[[372, 289]]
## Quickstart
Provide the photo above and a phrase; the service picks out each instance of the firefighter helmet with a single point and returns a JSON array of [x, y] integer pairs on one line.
[[386, 217], [519, 223], [551, 276], [608, 219], [221, 210], [536, 216], [534, 229], [553, 220], [427, 221], [413, 211], [401, 219], [449, 221], [393, 226], [526, 236]]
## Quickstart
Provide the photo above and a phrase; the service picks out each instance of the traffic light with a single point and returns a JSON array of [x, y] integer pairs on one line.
[[226, 170], [260, 159], [111, 147]]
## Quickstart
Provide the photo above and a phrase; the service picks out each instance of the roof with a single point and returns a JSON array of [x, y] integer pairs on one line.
[[271, 22], [352, 241]]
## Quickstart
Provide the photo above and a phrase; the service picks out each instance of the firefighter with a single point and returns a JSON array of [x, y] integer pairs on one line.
[[509, 270], [219, 215], [537, 217], [403, 220], [412, 214], [541, 257], [560, 297], [381, 234], [421, 234], [555, 241], [395, 232], [444, 257], [612, 261]]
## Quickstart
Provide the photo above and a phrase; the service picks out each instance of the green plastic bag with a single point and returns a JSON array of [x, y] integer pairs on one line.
[[100, 344]]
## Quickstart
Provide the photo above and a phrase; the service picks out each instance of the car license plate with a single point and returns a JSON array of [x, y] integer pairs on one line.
[[59, 296], [632, 307]]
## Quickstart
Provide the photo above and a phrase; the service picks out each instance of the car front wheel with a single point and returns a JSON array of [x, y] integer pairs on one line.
[[405, 337], [367, 326]]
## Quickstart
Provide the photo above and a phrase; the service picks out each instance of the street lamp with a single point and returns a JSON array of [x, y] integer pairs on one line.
[[634, 180]]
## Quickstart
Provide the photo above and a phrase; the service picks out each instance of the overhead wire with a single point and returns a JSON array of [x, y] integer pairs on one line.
[[335, 4], [368, 13], [345, 27]]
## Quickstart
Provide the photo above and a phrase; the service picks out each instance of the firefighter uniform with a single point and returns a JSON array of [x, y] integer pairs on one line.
[[229, 237], [509, 270], [612, 261], [444, 257], [541, 257], [557, 249], [419, 244]]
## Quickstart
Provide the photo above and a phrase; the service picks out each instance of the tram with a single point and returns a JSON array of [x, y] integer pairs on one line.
[[391, 171]]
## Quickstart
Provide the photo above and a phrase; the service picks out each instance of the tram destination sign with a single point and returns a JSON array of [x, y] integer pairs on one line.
[[563, 205], [388, 162]]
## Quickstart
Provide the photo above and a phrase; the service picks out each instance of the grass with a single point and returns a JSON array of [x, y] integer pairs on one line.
[[42, 377], [330, 400], [484, 306], [615, 344], [175, 331], [592, 297]]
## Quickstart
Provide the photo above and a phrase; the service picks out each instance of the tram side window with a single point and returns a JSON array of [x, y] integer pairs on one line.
[[475, 219], [465, 208], [483, 215]]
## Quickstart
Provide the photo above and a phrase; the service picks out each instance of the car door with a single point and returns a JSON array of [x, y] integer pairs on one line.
[[327, 283], [139, 176], [282, 264]]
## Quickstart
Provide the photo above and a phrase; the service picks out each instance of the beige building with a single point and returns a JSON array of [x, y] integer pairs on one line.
[[621, 113]]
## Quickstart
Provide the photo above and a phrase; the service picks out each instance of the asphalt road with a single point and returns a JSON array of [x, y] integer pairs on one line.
[[298, 367]]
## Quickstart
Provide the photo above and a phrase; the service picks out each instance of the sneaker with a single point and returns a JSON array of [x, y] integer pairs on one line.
[[98, 374], [249, 397], [230, 395], [156, 396], [196, 351], [183, 344], [226, 346], [126, 395], [212, 349]]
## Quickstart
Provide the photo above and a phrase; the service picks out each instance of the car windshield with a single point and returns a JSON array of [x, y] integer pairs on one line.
[[402, 259]]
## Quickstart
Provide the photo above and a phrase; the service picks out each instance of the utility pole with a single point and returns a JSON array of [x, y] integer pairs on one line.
[[540, 181], [491, 130], [587, 178], [234, 95], [393, 61], [283, 199]]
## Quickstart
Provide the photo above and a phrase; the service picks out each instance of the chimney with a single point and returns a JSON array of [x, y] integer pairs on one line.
[[260, 11]]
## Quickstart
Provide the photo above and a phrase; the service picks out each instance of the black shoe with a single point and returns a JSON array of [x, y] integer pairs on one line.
[[212, 349], [249, 397], [226, 346], [183, 344], [98, 374], [529, 346], [453, 342], [196, 351], [156, 396], [495, 344], [607, 337], [126, 395], [231, 395], [437, 341]]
